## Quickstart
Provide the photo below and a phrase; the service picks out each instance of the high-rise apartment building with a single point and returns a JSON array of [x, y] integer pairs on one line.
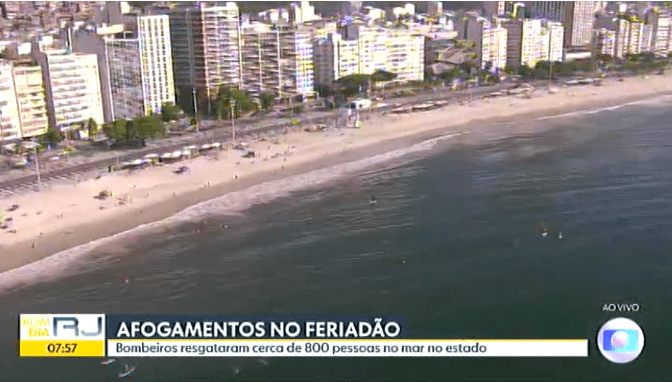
[[490, 39], [661, 24], [72, 88], [277, 60], [530, 41], [605, 41], [633, 36], [335, 57], [302, 12], [22, 100], [359, 49], [496, 8], [10, 127], [140, 68], [88, 41], [205, 40], [30, 98], [576, 17], [493, 49]]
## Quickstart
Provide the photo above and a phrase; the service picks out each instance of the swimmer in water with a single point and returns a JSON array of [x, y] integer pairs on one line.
[[372, 200], [402, 261], [560, 236], [126, 280]]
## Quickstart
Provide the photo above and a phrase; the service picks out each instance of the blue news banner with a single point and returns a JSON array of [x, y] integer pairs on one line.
[[99, 335]]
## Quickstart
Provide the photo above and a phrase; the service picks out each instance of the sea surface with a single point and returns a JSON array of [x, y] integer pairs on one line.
[[466, 218]]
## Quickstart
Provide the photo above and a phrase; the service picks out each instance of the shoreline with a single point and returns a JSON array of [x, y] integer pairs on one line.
[[480, 130]]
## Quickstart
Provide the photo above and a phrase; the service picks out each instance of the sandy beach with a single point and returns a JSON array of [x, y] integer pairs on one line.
[[67, 215]]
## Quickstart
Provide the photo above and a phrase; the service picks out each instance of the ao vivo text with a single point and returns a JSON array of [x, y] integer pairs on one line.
[[623, 307]]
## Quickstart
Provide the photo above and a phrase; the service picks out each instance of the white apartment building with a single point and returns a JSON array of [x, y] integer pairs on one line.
[[335, 57], [360, 49], [302, 12], [72, 88], [494, 8], [277, 60], [493, 52], [205, 40], [606, 41], [10, 126], [632, 37], [661, 23], [576, 17], [141, 68], [490, 39], [530, 41], [30, 97], [23, 111]]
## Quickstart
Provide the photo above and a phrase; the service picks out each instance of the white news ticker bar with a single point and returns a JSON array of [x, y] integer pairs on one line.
[[347, 348]]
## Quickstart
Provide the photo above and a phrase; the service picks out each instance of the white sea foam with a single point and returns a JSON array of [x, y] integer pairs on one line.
[[649, 101], [61, 264]]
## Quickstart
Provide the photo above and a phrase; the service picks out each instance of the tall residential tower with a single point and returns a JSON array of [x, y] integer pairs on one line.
[[205, 40], [577, 18], [140, 68]]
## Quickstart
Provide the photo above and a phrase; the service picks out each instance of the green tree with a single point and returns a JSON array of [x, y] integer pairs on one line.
[[351, 85], [117, 129], [526, 71], [266, 99], [170, 112], [381, 76], [605, 58], [226, 97], [324, 90], [53, 136], [149, 126], [632, 57], [453, 74], [92, 127], [220, 105]]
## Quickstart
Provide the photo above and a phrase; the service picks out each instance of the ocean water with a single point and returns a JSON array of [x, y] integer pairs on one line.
[[465, 217]]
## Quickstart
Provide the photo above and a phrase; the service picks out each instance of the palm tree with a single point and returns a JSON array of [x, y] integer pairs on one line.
[[220, 105], [266, 99], [92, 127]]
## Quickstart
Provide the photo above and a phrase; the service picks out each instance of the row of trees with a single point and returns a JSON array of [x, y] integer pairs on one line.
[[141, 128], [354, 84], [642, 62]]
